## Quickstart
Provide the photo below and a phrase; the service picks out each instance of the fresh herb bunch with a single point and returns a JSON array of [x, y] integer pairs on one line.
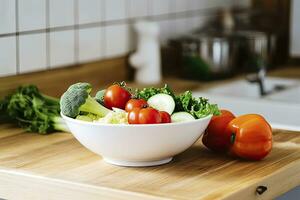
[[198, 107], [33, 110]]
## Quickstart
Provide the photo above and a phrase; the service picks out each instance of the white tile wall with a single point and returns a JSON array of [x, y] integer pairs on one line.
[[61, 12], [244, 3], [103, 29], [199, 21], [32, 14], [115, 9], [181, 26], [117, 40], [179, 5], [7, 16], [138, 8], [90, 11], [204, 4], [225, 3], [193, 4], [90, 44], [159, 7], [172, 29], [165, 31], [32, 52], [8, 56], [62, 48]]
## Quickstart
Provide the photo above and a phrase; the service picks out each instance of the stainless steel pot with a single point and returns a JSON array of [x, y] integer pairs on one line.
[[257, 42], [256, 48], [207, 56]]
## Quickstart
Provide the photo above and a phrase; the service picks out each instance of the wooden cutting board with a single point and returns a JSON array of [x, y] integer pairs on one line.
[[56, 166]]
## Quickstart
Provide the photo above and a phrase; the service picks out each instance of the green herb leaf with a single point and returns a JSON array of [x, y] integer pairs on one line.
[[146, 93]]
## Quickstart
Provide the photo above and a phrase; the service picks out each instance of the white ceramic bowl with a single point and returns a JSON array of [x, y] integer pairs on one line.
[[137, 145]]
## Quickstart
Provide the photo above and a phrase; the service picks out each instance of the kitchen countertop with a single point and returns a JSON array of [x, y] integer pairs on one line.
[[56, 166]]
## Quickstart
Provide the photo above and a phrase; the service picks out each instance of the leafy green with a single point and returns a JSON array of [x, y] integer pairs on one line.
[[198, 107], [146, 93], [32, 110]]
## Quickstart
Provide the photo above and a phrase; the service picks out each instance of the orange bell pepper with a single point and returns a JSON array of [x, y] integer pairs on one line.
[[251, 137]]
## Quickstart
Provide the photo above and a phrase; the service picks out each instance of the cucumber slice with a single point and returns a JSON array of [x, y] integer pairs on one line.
[[182, 117], [118, 110], [162, 102]]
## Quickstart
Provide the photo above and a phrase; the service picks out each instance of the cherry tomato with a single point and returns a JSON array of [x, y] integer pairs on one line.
[[251, 137], [133, 116], [135, 103], [165, 117], [116, 96], [144, 116], [149, 116], [215, 137]]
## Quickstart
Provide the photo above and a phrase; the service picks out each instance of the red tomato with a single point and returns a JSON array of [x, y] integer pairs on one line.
[[165, 117], [135, 103], [116, 96], [251, 137], [144, 116], [215, 137], [133, 116], [149, 116]]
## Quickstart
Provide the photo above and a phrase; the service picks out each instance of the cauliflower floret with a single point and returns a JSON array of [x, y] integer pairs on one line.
[[114, 117]]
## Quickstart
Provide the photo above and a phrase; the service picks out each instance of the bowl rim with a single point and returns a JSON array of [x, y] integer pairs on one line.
[[134, 125]]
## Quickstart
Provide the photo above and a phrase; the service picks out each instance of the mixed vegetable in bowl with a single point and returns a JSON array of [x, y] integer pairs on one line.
[[119, 104], [248, 136]]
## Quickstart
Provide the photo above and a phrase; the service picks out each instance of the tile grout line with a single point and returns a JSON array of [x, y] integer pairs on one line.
[[149, 8], [127, 9], [17, 37], [162, 17], [76, 31], [127, 16], [150, 11], [48, 64], [103, 30]]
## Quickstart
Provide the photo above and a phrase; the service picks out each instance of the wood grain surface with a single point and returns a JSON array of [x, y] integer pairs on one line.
[[58, 166]]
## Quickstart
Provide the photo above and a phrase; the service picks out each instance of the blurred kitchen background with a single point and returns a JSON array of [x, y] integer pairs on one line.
[[230, 36], [148, 41], [219, 47]]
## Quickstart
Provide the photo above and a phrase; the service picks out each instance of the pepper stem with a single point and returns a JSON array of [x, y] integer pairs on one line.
[[232, 138]]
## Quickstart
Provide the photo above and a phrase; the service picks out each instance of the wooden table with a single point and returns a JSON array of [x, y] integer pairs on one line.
[[56, 166]]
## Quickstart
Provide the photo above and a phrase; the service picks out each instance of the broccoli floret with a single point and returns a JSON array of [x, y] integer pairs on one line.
[[100, 96], [81, 86], [77, 99]]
